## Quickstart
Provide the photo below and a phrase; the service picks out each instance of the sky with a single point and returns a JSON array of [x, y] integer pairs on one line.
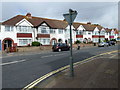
[[103, 13]]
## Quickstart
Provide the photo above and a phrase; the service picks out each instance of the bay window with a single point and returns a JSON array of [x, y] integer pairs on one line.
[[44, 41], [24, 42]]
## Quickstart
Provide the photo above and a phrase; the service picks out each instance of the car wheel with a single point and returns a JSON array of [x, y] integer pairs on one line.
[[59, 50]]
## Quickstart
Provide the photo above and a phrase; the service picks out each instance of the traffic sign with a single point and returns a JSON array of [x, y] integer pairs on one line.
[[70, 17]]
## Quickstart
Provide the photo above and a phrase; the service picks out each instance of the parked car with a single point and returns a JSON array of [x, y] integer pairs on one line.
[[102, 44], [111, 43], [60, 47]]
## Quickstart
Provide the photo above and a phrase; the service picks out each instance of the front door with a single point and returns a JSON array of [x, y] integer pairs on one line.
[[53, 42], [7, 43]]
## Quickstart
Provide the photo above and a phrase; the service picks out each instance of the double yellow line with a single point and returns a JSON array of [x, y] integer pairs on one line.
[[31, 85]]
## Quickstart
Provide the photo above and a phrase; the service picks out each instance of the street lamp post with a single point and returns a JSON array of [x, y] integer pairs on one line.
[[70, 18]]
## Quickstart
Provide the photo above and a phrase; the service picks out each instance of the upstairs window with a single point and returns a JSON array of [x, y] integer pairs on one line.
[[60, 31], [8, 28], [79, 32], [89, 33], [95, 33], [43, 30], [52, 31], [24, 29], [102, 32]]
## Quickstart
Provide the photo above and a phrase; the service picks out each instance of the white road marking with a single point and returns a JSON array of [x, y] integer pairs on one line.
[[112, 56], [52, 55], [46, 56], [12, 62], [59, 54]]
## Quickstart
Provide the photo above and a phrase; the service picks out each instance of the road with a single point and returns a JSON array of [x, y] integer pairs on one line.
[[19, 71]]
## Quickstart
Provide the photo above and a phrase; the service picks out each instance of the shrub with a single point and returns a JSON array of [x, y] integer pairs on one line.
[[77, 42], [113, 40], [35, 43]]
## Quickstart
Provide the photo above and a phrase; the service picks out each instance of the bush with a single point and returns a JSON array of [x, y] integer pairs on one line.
[[77, 42], [35, 43], [113, 40]]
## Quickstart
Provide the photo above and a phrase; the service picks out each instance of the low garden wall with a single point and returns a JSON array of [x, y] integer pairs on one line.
[[34, 48]]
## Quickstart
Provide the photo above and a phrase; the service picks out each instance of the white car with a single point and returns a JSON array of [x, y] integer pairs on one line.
[[102, 44]]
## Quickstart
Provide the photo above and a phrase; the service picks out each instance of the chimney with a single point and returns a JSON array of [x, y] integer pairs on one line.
[[88, 22], [28, 15]]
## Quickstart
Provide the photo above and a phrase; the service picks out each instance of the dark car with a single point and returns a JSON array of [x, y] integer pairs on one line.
[[60, 47], [111, 43]]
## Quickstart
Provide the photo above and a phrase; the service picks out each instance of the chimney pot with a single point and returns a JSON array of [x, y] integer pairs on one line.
[[88, 22], [28, 15]]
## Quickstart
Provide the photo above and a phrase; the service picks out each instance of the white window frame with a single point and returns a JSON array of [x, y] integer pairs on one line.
[[60, 31], [44, 41], [24, 29], [24, 42], [52, 31], [10, 28]]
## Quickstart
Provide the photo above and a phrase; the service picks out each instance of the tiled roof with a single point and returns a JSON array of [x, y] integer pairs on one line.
[[36, 21], [13, 20], [77, 24], [52, 23], [98, 26], [116, 31], [89, 27], [108, 30]]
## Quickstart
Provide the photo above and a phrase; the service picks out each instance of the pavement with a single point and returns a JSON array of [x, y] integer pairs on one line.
[[100, 72]]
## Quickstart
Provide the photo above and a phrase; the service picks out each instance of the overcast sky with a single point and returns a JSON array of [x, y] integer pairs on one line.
[[103, 13]]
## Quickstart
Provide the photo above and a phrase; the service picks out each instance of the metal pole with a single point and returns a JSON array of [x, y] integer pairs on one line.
[[71, 57], [110, 35], [99, 36]]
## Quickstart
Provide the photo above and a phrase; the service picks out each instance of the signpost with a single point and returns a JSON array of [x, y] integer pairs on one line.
[[70, 17], [0, 46]]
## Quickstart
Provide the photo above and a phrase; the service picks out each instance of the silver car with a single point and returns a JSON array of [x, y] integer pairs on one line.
[[102, 44]]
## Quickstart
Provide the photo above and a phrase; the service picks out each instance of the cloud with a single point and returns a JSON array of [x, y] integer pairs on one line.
[[102, 12]]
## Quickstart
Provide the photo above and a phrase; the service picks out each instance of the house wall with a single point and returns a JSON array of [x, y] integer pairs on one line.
[[25, 38], [58, 36], [80, 37], [16, 35], [8, 34], [67, 34]]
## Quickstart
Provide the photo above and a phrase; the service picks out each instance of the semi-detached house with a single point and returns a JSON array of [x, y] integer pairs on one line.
[[23, 30]]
